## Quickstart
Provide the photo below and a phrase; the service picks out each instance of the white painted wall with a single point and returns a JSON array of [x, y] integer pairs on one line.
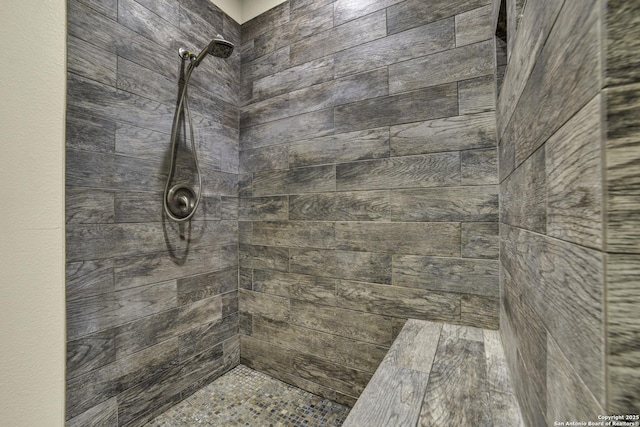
[[32, 310], [253, 8], [244, 10]]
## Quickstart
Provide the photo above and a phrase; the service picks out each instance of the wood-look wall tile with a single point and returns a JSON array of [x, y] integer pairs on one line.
[[479, 167], [88, 206], [445, 67], [346, 10], [445, 204], [477, 95], [228, 207], [622, 52], [398, 301], [535, 27], [311, 368], [95, 28], [147, 207], [356, 32], [141, 143], [347, 352], [474, 26], [356, 325], [310, 21], [304, 126], [448, 134], [199, 28], [370, 84], [312, 179], [421, 41], [574, 175], [246, 323], [428, 170], [194, 288], [207, 336], [89, 132], [91, 62], [245, 278], [526, 346], [264, 257], [274, 17], [341, 206], [265, 111], [147, 331], [498, 378], [413, 13], [145, 300], [622, 155], [522, 195], [435, 239], [166, 9], [118, 105], [475, 277], [90, 352], [230, 302], [141, 81], [480, 240], [425, 104], [552, 94], [137, 269], [101, 170], [623, 383], [480, 311], [561, 271], [88, 390], [147, 399], [567, 396], [121, 240], [623, 273], [104, 414], [269, 306], [340, 148], [207, 11], [90, 314], [297, 77], [108, 8], [141, 20], [314, 289], [300, 234], [272, 208], [88, 278], [263, 66], [301, 7], [361, 266]]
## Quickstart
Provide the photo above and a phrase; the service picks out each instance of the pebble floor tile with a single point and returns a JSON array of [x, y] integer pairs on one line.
[[244, 397]]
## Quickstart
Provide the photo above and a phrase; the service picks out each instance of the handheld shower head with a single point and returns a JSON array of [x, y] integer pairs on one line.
[[218, 47]]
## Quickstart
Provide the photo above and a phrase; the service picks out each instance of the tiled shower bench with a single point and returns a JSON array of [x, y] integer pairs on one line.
[[439, 374]]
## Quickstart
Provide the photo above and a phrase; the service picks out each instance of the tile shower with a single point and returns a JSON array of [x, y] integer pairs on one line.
[[350, 173]]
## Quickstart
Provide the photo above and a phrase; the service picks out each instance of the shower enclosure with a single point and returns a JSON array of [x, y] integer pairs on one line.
[[348, 158]]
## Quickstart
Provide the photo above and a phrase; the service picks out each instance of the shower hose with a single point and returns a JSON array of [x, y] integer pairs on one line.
[[181, 197]]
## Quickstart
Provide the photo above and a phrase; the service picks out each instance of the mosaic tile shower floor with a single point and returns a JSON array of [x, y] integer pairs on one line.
[[244, 397]]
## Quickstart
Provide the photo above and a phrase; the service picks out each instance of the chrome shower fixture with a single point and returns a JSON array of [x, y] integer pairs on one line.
[[180, 201], [218, 47]]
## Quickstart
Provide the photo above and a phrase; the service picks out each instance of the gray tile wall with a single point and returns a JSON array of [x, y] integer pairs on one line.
[[368, 182], [569, 153], [152, 306]]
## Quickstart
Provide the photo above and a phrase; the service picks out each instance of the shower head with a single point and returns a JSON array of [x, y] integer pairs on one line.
[[218, 47]]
